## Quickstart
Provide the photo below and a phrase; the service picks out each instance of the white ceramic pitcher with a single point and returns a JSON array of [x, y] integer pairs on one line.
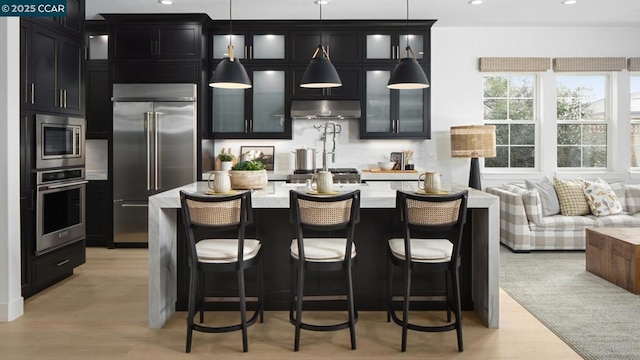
[[430, 182], [323, 181], [219, 181]]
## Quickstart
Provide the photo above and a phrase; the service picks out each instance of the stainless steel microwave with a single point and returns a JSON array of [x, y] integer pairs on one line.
[[60, 141]]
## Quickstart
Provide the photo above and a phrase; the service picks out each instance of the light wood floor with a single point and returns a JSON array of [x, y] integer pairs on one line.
[[100, 313]]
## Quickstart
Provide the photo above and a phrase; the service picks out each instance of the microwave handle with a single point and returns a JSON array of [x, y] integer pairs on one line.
[[76, 141]]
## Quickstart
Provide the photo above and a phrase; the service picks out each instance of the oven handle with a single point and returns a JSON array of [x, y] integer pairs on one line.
[[58, 186], [135, 205]]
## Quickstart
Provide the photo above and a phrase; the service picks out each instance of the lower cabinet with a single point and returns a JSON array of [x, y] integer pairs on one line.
[[99, 214], [54, 266]]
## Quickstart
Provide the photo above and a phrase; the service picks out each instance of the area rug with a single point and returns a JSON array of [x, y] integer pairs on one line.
[[596, 318]]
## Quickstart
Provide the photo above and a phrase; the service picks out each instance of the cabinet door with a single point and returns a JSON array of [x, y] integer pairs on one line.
[[229, 111], [98, 213], [303, 45], [178, 42], [98, 100], [411, 112], [44, 47], [25, 56], [377, 115], [74, 18], [344, 46], [267, 47], [268, 101], [221, 46], [70, 79], [133, 42]]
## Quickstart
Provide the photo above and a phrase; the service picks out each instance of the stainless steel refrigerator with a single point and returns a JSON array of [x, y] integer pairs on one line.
[[154, 149]]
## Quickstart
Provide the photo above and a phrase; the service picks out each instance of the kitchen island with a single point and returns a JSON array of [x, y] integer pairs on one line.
[[482, 255]]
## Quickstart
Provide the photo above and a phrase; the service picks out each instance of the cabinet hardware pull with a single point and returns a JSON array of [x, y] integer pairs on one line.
[[63, 262], [246, 51], [251, 123], [246, 125], [250, 51], [65, 98], [33, 91]]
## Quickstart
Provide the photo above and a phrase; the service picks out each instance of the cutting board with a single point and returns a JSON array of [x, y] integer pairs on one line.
[[380, 171]]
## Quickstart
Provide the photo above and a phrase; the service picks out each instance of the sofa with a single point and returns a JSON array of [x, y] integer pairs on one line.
[[523, 227]]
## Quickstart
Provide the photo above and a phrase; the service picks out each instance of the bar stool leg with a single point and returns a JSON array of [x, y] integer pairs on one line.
[[458, 307], [405, 308], [201, 282], [352, 322], [389, 288], [261, 291], [446, 289], [193, 285], [299, 293], [243, 310]]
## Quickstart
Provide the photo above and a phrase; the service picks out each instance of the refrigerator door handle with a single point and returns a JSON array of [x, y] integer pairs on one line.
[[156, 150], [147, 129]]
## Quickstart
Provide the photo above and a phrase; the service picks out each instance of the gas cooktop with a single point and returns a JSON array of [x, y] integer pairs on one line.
[[340, 175]]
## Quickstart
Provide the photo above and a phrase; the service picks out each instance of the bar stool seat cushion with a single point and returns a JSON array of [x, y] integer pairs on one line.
[[225, 250], [423, 250], [323, 249]]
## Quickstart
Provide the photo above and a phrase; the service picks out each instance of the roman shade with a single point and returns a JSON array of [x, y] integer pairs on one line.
[[633, 64], [517, 64], [589, 64]]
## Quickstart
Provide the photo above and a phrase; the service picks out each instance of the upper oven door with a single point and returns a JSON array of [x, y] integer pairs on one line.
[[60, 141]]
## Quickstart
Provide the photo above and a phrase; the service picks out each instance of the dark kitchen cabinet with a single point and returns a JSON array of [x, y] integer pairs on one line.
[[350, 89], [251, 46], [260, 112], [390, 114], [156, 41], [73, 21], [51, 71], [342, 46], [156, 72], [383, 46], [99, 213], [98, 100], [57, 265]]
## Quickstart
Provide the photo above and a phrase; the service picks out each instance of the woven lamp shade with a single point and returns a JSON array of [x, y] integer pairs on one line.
[[473, 141]]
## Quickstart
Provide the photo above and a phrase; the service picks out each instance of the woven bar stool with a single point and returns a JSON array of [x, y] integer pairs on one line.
[[322, 214], [439, 219], [219, 214]]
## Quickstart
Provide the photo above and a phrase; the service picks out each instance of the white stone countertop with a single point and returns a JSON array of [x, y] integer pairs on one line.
[[376, 194], [281, 175]]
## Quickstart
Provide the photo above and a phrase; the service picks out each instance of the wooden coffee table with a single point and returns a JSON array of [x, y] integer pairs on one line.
[[614, 255]]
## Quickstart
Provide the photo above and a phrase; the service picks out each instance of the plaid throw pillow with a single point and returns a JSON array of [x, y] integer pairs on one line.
[[571, 198]]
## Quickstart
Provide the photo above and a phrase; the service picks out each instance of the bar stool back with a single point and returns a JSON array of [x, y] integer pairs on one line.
[[202, 216], [322, 214], [439, 220]]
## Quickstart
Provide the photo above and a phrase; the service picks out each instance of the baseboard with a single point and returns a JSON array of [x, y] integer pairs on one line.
[[12, 310]]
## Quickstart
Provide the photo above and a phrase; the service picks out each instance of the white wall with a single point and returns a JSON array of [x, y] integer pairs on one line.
[[457, 99], [11, 302], [457, 87]]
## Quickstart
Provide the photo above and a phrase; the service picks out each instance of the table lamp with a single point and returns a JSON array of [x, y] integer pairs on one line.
[[473, 141]]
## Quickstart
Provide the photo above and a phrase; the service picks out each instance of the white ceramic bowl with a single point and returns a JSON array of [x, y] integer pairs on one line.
[[386, 165]]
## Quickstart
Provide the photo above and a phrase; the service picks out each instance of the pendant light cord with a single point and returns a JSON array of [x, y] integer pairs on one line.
[[407, 35], [321, 32]]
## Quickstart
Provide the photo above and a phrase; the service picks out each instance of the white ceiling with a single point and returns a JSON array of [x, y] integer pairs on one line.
[[447, 12]]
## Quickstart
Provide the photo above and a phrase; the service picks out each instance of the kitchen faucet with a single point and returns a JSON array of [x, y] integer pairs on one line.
[[337, 128]]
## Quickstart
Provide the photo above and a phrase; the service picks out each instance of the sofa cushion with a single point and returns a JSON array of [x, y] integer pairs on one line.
[[620, 220], [601, 198], [571, 198], [548, 195], [632, 194], [618, 187], [530, 201], [562, 222]]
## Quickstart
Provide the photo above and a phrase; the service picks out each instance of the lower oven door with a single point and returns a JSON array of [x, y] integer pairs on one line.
[[60, 215]]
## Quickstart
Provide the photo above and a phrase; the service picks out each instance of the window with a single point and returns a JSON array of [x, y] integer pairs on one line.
[[635, 120], [582, 120], [510, 105]]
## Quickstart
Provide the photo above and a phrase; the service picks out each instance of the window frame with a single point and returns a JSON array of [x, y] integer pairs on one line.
[[632, 121], [535, 121]]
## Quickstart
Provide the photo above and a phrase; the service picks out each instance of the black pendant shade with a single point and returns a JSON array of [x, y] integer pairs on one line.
[[230, 74], [408, 74], [320, 72]]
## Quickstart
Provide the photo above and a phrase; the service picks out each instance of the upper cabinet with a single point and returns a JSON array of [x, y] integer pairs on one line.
[[382, 46], [72, 23], [251, 46], [51, 70], [342, 46], [148, 37]]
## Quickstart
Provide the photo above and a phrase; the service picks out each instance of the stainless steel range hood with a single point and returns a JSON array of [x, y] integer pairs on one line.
[[325, 109]]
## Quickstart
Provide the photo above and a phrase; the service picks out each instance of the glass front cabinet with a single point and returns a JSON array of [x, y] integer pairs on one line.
[[258, 112]]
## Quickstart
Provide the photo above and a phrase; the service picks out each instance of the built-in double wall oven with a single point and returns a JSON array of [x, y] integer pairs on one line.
[[60, 181]]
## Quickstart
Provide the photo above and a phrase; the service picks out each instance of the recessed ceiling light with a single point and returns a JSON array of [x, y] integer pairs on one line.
[[476, 2], [569, 2], [166, 2], [321, 2]]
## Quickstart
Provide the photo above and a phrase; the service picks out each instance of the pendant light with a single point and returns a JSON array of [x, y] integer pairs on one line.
[[230, 74], [408, 74], [320, 72]]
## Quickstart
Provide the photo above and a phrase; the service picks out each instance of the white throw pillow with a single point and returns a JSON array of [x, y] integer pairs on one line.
[[601, 198], [548, 195]]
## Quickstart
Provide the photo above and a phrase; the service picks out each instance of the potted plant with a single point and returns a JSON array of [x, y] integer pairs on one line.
[[248, 175], [226, 161]]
